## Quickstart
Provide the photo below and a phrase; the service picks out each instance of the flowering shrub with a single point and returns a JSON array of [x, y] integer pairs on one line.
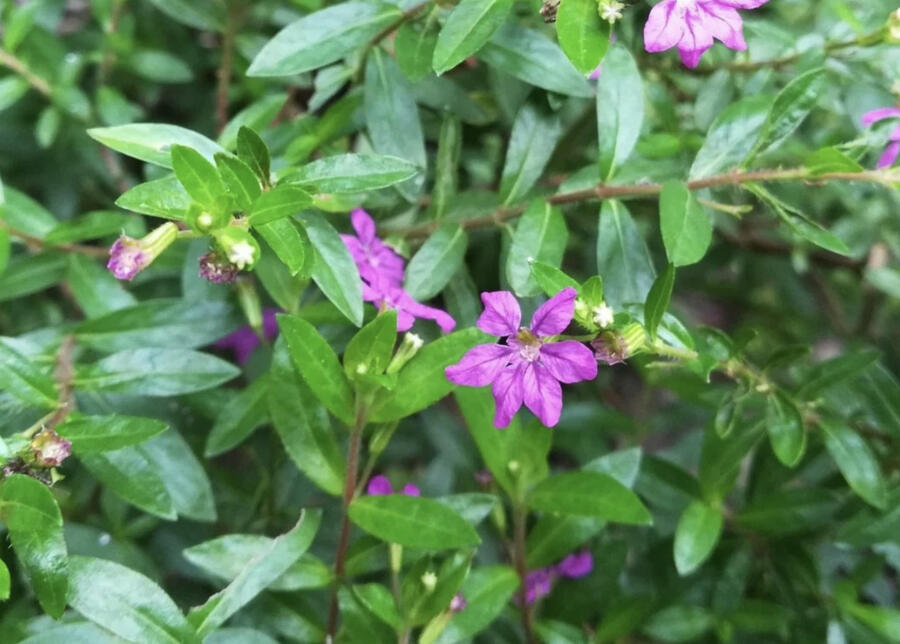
[[449, 321]]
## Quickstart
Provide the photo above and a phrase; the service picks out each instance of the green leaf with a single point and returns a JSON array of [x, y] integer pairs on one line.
[[280, 202], [413, 522], [474, 507], [622, 257], [199, 177], [696, 536], [127, 473], [583, 34], [253, 151], [91, 225], [830, 159], [94, 287], [225, 557], [318, 364], [291, 244], [792, 105], [789, 511], [487, 591], [152, 142], [436, 262], [658, 300], [322, 37], [105, 433], [349, 173], [334, 270], [856, 461], [620, 109], [534, 135], [392, 118], [369, 351], [303, 426], [276, 278], [554, 537], [258, 573], [126, 603], [240, 417], [182, 474], [469, 26], [550, 279], [422, 381], [5, 248], [731, 136], [171, 323], [786, 431], [679, 623], [256, 116], [414, 46], [155, 372], [239, 179], [164, 198], [27, 274], [379, 600], [529, 56], [199, 14], [589, 494], [4, 581], [686, 228], [836, 371], [24, 381], [540, 235], [34, 523]]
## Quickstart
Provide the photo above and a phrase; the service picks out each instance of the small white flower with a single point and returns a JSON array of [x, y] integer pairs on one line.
[[241, 254], [611, 10], [603, 315], [429, 580], [415, 342], [204, 221]]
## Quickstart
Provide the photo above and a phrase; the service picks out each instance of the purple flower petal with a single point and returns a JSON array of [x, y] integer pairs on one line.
[[569, 361], [542, 394], [538, 584], [664, 26], [891, 153], [410, 490], [725, 24], [379, 486], [576, 565], [502, 315], [879, 115], [480, 366], [508, 394], [364, 226], [743, 4], [555, 314]]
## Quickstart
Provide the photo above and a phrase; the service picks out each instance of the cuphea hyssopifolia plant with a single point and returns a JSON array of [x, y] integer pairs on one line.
[[411, 222]]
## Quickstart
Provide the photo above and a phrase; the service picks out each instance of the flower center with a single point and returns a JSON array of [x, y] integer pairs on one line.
[[529, 345]]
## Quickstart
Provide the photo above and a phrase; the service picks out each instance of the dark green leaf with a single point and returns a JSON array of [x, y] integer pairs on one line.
[[696, 536], [679, 623], [487, 591], [469, 26], [551, 279], [24, 380], [436, 262], [94, 287], [4, 581], [127, 473], [334, 270], [534, 135], [280, 202], [731, 136], [658, 299], [240, 417], [291, 244], [91, 225], [554, 537], [835, 371], [239, 179], [620, 109], [182, 474], [686, 228], [589, 494], [164, 198], [27, 274], [786, 431], [789, 511], [413, 522], [623, 260], [348, 173], [253, 151], [720, 459], [540, 235], [199, 177], [414, 46], [856, 461], [105, 433]]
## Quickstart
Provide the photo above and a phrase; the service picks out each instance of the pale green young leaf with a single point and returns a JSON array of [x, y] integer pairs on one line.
[[128, 474], [279, 202], [243, 414], [696, 536], [583, 35]]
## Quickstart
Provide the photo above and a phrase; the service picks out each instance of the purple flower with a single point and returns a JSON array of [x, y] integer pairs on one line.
[[539, 583], [576, 565], [458, 603], [49, 449], [216, 269], [128, 256], [530, 366], [691, 26], [381, 270], [893, 149], [380, 486], [245, 340]]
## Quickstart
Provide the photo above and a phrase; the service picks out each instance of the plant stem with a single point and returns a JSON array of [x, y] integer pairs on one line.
[[344, 538], [520, 517], [223, 73], [22, 70], [64, 375], [40, 244]]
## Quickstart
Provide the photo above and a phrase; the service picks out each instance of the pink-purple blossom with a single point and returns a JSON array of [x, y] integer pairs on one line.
[[529, 365], [381, 270], [892, 152], [126, 258], [539, 583], [380, 486], [245, 340], [692, 25], [458, 603], [217, 269]]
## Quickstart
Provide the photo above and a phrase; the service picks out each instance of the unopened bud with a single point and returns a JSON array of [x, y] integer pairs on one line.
[[239, 246], [429, 580], [128, 257], [513, 467], [614, 347], [408, 348], [217, 269], [49, 449], [458, 603]]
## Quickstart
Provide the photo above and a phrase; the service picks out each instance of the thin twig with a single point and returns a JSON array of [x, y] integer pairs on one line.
[[519, 525], [38, 243], [223, 74], [64, 375], [22, 70]]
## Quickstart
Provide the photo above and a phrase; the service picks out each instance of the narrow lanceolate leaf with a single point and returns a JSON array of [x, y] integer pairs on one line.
[[348, 173], [23, 380], [469, 26], [658, 299], [279, 202], [164, 198], [4, 581], [94, 288], [256, 575], [414, 45], [322, 38], [620, 109], [239, 179], [589, 494], [369, 351], [436, 262], [792, 105], [540, 236], [551, 279], [34, 524], [529, 56], [199, 177], [623, 260], [392, 118], [487, 590], [5, 247], [128, 474], [253, 151], [126, 603], [531, 143], [583, 35], [291, 244], [155, 372], [152, 142], [413, 522], [686, 228], [239, 418], [856, 462], [786, 431], [334, 270], [105, 433], [182, 475], [731, 136], [318, 364], [27, 274], [696, 536]]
